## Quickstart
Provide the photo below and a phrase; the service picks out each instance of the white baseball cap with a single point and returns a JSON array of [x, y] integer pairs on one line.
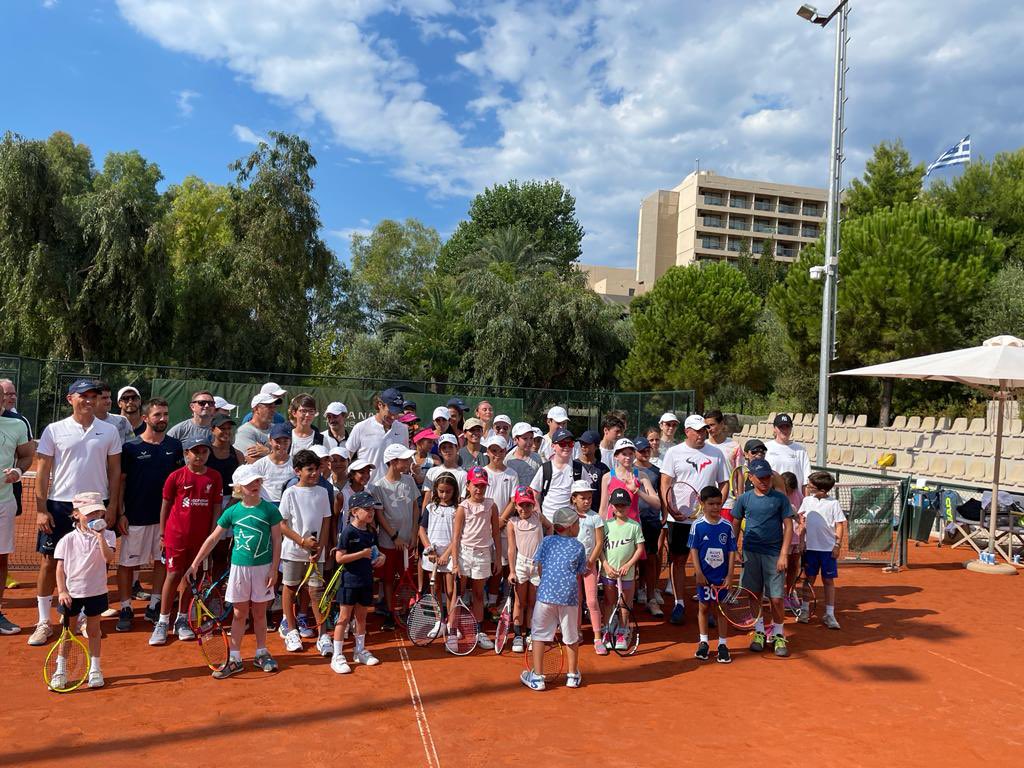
[[263, 398], [358, 464], [501, 418], [622, 444], [340, 450], [441, 412], [336, 409], [270, 388], [396, 451], [538, 432], [448, 438], [319, 450], [521, 428], [668, 416], [245, 474], [222, 404], [558, 414], [695, 422], [122, 390], [497, 440], [581, 486]]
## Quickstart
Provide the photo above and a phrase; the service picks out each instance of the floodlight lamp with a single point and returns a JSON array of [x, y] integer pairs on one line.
[[808, 12]]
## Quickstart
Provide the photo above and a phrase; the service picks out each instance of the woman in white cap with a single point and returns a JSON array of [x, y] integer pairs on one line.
[[669, 423], [626, 476]]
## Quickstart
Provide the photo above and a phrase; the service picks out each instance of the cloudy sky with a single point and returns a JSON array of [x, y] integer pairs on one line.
[[412, 106]]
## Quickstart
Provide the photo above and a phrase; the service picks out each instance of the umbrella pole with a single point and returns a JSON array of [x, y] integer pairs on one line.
[[995, 474]]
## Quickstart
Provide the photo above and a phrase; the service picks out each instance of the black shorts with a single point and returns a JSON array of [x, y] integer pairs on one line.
[[63, 524], [356, 596], [92, 606], [651, 527], [679, 539]]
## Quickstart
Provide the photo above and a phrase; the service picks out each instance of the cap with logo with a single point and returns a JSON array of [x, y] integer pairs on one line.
[[590, 437], [393, 399], [81, 386], [270, 388], [754, 445], [521, 428], [263, 398], [695, 422], [538, 432], [477, 476], [622, 444], [620, 498], [196, 441], [245, 474], [581, 486], [447, 439], [760, 468], [396, 451], [441, 412], [783, 420], [558, 414], [220, 419], [280, 431], [501, 418], [361, 500], [561, 434], [456, 402], [564, 517], [336, 409], [641, 444], [222, 405], [495, 440], [525, 495], [87, 502], [125, 390], [667, 417], [409, 405]]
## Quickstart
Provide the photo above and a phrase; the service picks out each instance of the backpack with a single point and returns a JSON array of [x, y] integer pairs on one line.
[[547, 470]]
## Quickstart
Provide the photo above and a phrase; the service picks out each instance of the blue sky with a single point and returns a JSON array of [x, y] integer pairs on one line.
[[412, 106]]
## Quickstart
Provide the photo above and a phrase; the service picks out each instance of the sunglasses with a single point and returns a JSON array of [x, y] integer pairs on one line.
[[759, 450], [564, 444], [203, 403]]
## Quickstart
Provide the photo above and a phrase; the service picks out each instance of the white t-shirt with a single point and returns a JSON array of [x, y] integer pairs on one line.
[[789, 458], [368, 440], [274, 477], [821, 517], [501, 486], [698, 468], [85, 568], [559, 491], [304, 510], [79, 457], [588, 531], [302, 443], [433, 472], [731, 451]]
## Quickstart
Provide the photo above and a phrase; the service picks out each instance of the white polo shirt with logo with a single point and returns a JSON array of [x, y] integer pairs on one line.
[[79, 456]]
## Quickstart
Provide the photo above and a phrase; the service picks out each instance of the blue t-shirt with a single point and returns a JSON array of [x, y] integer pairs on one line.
[[764, 515], [146, 466], [647, 512], [713, 543], [325, 484], [358, 573], [562, 559], [278, 418]]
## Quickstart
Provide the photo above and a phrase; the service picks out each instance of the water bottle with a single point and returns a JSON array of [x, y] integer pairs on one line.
[[99, 524], [1016, 559]]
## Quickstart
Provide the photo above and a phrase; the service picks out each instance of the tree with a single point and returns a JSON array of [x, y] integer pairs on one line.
[[910, 276], [1001, 310], [681, 340], [764, 273], [543, 211], [889, 179], [391, 264], [992, 194], [508, 253]]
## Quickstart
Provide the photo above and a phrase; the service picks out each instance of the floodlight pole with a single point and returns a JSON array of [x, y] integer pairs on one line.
[[832, 221]]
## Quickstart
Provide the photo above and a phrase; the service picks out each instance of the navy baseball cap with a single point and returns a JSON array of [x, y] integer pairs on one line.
[[641, 444], [620, 496], [278, 431], [195, 442], [221, 418], [409, 405], [81, 386], [590, 437], [562, 434], [361, 500], [456, 402], [760, 468], [393, 399]]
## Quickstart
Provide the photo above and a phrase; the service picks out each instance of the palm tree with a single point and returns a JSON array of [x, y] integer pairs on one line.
[[435, 326], [509, 253]]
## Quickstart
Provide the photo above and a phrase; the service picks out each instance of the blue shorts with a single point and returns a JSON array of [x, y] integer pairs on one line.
[[356, 596], [63, 524], [815, 561], [706, 594]]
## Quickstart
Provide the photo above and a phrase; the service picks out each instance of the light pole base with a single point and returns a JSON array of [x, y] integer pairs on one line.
[[999, 569]]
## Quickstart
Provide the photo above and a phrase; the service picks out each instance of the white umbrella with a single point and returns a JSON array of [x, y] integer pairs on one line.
[[996, 368]]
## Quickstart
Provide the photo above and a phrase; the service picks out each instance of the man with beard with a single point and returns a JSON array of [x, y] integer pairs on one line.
[[373, 434], [103, 405], [130, 402]]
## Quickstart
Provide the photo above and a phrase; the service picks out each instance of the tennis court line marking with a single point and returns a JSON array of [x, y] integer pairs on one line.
[[974, 669], [429, 748]]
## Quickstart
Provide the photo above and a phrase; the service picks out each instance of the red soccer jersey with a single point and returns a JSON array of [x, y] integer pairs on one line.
[[192, 498]]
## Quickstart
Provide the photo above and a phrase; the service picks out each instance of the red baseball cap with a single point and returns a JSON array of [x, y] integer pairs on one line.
[[525, 495], [477, 476]]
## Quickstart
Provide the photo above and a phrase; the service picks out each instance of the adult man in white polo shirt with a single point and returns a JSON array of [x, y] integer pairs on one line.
[[335, 436], [16, 451], [373, 434], [84, 455], [785, 455], [558, 418]]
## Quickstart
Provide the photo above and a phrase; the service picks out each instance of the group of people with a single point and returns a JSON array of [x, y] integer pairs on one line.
[[481, 505]]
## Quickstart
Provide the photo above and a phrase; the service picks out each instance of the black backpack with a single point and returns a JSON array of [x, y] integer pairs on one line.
[[547, 470]]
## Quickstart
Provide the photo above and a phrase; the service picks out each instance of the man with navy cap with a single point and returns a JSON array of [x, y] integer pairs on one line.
[[373, 434]]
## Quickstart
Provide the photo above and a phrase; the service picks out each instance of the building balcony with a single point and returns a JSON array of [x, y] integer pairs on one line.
[[739, 202], [739, 224], [789, 208], [763, 205], [714, 200]]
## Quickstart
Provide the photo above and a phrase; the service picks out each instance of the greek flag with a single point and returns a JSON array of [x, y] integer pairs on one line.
[[955, 155]]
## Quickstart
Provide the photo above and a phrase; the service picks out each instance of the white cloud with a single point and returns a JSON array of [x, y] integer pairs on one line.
[[184, 100], [617, 99], [246, 134], [49, 4]]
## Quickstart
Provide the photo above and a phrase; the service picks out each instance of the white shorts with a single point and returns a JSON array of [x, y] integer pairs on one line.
[[547, 617], [429, 566], [8, 512], [503, 543], [248, 583], [141, 546], [527, 570], [475, 562]]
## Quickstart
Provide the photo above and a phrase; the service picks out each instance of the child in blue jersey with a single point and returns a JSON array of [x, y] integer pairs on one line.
[[712, 552]]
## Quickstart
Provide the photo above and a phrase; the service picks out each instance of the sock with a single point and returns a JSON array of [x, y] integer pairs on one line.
[[154, 601], [721, 641], [759, 626], [337, 648], [777, 630], [236, 655], [94, 663], [126, 603], [830, 610], [62, 664], [262, 651], [360, 643], [43, 604], [680, 602], [165, 618], [703, 638], [517, 630]]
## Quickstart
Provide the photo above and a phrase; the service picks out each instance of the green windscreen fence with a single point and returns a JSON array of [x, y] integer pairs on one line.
[[871, 518]]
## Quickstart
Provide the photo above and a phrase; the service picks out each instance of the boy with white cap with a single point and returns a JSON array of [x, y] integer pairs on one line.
[[523, 460], [335, 414], [557, 419], [397, 499], [472, 454], [448, 448], [502, 425]]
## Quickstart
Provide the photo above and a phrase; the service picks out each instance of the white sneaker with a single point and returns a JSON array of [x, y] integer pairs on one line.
[[58, 681], [452, 642], [41, 634], [641, 595], [654, 610], [573, 680], [292, 641], [518, 646], [830, 621], [95, 678], [339, 664], [159, 636], [110, 613], [365, 658], [436, 631], [325, 645], [658, 598], [483, 641]]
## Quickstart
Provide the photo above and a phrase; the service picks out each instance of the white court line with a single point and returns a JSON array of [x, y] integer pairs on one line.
[[973, 669], [429, 749]]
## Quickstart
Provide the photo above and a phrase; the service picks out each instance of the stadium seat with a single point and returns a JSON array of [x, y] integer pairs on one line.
[[860, 456], [1015, 473], [937, 466], [928, 423], [855, 436], [914, 423], [957, 444], [846, 457], [1012, 446], [839, 435], [943, 423], [956, 468], [910, 439], [959, 425], [921, 463], [771, 416], [980, 470], [861, 420], [850, 421], [977, 426], [979, 446], [892, 438], [812, 451], [832, 420], [833, 454], [940, 443], [873, 437], [814, 420], [904, 461], [900, 422]]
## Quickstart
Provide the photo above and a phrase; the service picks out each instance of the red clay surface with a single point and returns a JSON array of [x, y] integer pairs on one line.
[[928, 670]]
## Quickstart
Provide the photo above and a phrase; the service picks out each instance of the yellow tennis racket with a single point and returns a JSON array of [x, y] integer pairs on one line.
[[67, 664]]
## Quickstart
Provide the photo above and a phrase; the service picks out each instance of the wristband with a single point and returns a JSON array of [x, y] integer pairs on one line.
[[20, 473]]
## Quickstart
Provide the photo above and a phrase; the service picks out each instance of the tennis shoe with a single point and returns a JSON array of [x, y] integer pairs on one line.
[[532, 681], [159, 636], [724, 656], [829, 621], [292, 641], [41, 634], [436, 631], [757, 644], [451, 642], [8, 627], [110, 613], [388, 623], [791, 603], [153, 614], [654, 610], [365, 658], [658, 598], [138, 592], [641, 595], [95, 678], [678, 614], [325, 645], [518, 646], [282, 628], [483, 641], [339, 664], [803, 615], [233, 667], [781, 647], [702, 651], [183, 630], [305, 630], [607, 642], [573, 680], [125, 618], [265, 662], [58, 681], [620, 641], [600, 648]]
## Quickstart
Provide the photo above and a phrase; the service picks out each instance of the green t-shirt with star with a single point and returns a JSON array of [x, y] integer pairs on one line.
[[251, 528]]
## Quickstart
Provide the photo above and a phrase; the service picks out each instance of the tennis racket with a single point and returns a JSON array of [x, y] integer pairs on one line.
[[404, 596], [737, 481], [622, 633], [67, 664], [803, 594], [214, 594], [462, 627], [213, 640], [740, 607], [504, 622], [553, 660], [327, 608], [688, 502], [424, 623]]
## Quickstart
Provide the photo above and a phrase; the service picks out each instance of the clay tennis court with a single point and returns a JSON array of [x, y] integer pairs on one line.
[[927, 670]]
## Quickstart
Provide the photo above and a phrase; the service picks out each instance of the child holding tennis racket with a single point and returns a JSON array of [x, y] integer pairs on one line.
[[712, 554], [357, 552], [82, 557], [623, 546], [436, 524], [524, 537], [796, 498], [824, 525], [561, 561], [475, 539], [591, 536], [256, 527]]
